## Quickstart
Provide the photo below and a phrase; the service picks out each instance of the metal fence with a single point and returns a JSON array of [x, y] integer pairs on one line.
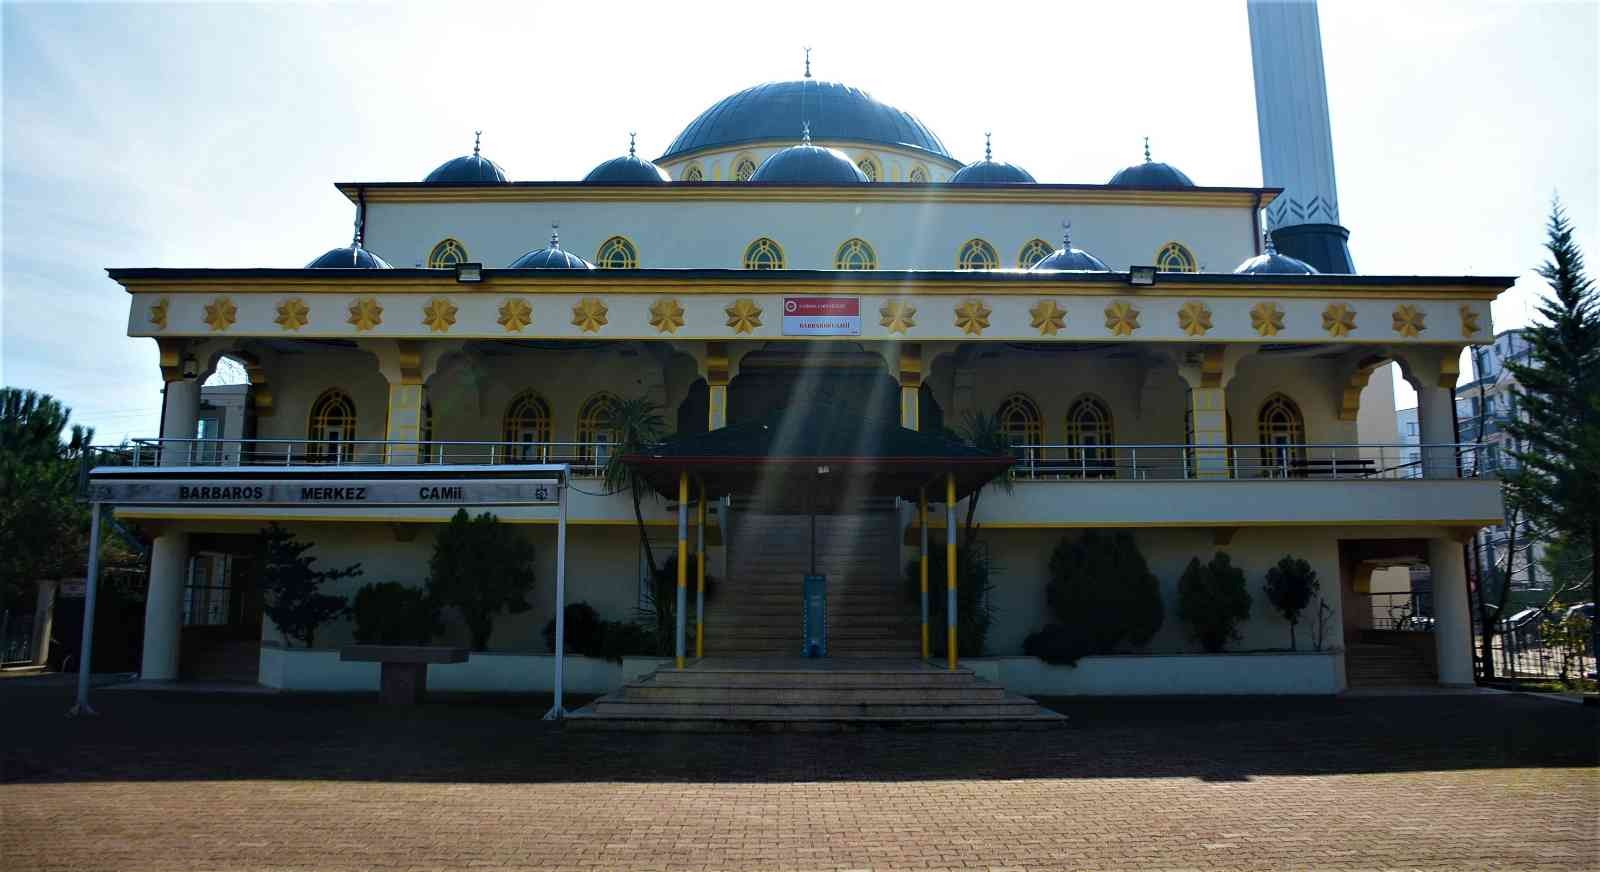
[[1411, 611], [1258, 461], [586, 458], [16, 637], [1534, 645]]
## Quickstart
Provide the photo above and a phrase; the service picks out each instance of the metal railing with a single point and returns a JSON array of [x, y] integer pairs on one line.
[[586, 458], [1411, 611], [1174, 462]]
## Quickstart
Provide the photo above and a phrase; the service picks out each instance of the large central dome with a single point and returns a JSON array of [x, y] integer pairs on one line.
[[776, 110]]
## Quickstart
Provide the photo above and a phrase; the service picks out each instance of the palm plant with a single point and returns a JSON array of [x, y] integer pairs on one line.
[[636, 426], [986, 433]]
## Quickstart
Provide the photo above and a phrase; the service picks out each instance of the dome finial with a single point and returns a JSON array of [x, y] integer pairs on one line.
[[631, 135], [1147, 149], [555, 235], [477, 135], [808, 61], [1267, 244], [988, 151], [805, 133], [1066, 234]]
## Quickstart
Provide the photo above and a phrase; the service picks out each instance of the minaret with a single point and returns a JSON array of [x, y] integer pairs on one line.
[[1296, 139]]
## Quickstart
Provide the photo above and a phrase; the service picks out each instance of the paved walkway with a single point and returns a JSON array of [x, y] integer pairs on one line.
[[198, 782]]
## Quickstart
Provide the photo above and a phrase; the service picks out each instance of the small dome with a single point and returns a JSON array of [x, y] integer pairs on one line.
[[990, 171], [467, 169], [551, 258], [1150, 174], [630, 169], [351, 256], [808, 164], [1273, 263], [1066, 258]]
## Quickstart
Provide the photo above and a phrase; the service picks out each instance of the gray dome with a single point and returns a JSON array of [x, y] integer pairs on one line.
[[990, 171], [1066, 258], [630, 169], [468, 169], [551, 257], [349, 257], [1273, 263], [1150, 174], [838, 113], [809, 164]]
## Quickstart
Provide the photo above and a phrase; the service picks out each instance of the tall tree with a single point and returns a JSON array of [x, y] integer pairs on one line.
[[986, 433], [291, 587], [43, 526], [636, 425], [1557, 483], [482, 567]]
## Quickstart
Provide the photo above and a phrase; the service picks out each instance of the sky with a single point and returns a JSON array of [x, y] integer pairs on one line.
[[142, 135]]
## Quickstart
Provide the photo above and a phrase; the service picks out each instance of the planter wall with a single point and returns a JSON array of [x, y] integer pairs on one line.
[[1304, 673], [484, 672]]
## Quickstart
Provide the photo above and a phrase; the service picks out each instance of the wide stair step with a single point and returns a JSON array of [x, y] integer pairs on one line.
[[1377, 665]]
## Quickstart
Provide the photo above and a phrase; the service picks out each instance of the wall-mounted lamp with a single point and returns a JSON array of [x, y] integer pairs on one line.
[[469, 272], [1141, 275], [191, 367]]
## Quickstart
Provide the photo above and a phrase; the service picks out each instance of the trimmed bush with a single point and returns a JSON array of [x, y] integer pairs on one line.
[[1213, 601], [482, 567], [389, 613], [974, 615], [583, 631], [1290, 586], [1103, 597]]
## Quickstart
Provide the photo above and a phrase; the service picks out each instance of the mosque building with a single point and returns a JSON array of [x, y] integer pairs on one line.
[[814, 291]]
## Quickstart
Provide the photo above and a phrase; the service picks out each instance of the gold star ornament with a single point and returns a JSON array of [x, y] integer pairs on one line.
[[365, 313], [515, 314], [439, 315], [293, 314], [1409, 321], [898, 316], [666, 315], [1194, 318], [158, 313], [1048, 317], [744, 316], [1122, 318], [972, 316], [1338, 320], [221, 313], [589, 315], [1469, 321], [1266, 319]]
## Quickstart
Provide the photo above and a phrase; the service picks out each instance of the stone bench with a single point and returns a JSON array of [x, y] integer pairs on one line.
[[404, 676]]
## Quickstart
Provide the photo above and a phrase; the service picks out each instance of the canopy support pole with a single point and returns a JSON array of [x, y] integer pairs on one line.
[[557, 712], [700, 577], [950, 566], [922, 521], [683, 566], [92, 583]]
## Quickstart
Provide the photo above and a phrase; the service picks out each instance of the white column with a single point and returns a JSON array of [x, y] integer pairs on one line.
[[1452, 622], [1436, 409], [180, 419], [163, 606], [44, 611]]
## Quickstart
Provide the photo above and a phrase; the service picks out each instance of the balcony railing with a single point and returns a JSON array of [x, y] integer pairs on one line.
[[1190, 462], [587, 459]]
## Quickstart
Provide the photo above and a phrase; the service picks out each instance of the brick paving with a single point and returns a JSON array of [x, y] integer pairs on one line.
[[191, 782]]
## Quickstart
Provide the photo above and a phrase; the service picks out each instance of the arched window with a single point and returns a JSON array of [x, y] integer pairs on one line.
[[527, 428], [869, 168], [617, 253], [743, 168], [447, 254], [1175, 257], [597, 430], [918, 174], [1089, 430], [332, 428], [855, 253], [1283, 433], [977, 254], [1019, 419], [763, 253], [1033, 251], [694, 174]]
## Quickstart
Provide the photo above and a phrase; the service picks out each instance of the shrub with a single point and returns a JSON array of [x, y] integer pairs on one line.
[[583, 631], [619, 639], [973, 612], [1102, 595], [1290, 586], [481, 567], [289, 586], [1213, 601], [390, 613], [660, 611]]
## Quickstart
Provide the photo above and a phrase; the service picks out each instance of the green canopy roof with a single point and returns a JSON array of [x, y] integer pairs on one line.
[[788, 447]]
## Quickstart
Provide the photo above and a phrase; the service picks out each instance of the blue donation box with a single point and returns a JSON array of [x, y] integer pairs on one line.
[[816, 624]]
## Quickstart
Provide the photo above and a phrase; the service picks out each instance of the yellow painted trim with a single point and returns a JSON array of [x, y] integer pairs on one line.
[[1193, 258], [447, 241], [922, 515], [872, 255], [977, 240], [1234, 522], [289, 513], [638, 257], [700, 578], [907, 192], [733, 166], [683, 549], [744, 256], [950, 567]]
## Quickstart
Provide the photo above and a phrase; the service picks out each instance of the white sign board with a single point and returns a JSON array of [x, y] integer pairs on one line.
[[822, 316], [327, 492]]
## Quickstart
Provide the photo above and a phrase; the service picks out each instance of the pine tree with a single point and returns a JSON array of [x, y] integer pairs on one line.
[[290, 586], [1557, 483]]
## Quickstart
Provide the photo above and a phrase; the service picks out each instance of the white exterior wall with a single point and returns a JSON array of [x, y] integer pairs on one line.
[[705, 234]]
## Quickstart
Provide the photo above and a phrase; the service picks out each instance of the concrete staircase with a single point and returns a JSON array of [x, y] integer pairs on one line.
[[758, 610], [791, 694], [1374, 665]]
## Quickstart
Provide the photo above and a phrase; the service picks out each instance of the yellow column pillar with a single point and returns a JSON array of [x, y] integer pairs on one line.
[[404, 424], [950, 566], [716, 385], [922, 521], [910, 385], [683, 565], [1208, 418], [700, 577]]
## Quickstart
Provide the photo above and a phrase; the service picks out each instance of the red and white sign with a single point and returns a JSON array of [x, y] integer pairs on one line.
[[822, 316]]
